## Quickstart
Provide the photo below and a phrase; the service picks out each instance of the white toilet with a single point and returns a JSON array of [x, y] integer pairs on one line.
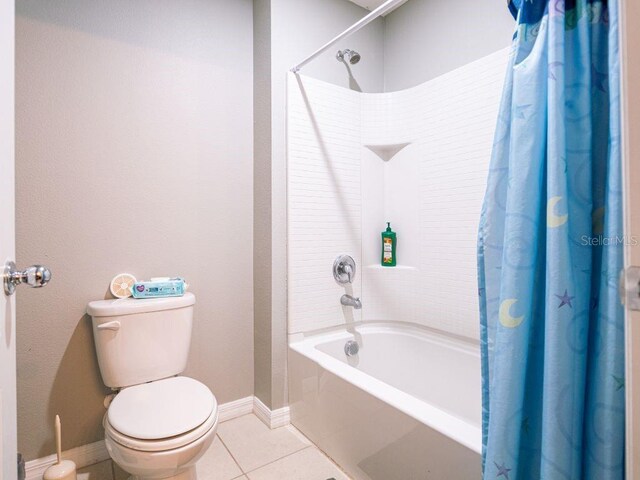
[[159, 424]]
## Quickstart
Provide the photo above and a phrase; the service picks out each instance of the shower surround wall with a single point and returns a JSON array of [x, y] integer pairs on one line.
[[417, 158], [324, 201]]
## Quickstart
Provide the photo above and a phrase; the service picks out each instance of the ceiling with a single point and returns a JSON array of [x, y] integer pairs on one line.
[[372, 4]]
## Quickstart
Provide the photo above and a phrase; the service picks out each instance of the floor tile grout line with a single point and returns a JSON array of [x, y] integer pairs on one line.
[[310, 444], [245, 474], [278, 459], [230, 454]]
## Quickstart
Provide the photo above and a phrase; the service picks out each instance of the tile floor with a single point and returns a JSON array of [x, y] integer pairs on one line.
[[246, 449]]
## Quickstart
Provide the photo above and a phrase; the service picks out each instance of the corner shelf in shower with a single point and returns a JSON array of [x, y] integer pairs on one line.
[[386, 151], [376, 266]]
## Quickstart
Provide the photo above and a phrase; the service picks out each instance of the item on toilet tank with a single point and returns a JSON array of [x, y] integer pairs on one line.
[[167, 279], [159, 287], [121, 284], [389, 241], [62, 469]]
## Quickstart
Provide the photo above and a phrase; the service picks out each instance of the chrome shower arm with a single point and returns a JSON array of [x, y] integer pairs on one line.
[[366, 20]]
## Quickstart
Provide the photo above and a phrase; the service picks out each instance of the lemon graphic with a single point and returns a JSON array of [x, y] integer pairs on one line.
[[121, 285]]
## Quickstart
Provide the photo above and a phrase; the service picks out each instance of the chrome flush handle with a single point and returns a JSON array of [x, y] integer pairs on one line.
[[35, 276]]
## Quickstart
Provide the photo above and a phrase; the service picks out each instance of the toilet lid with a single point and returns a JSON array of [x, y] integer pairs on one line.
[[161, 409]]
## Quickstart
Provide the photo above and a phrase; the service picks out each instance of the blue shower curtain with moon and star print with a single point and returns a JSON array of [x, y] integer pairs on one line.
[[550, 252]]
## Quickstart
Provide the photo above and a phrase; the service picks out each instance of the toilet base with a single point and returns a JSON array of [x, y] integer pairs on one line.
[[187, 474]]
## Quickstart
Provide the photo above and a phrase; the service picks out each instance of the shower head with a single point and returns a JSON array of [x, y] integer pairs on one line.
[[347, 55]]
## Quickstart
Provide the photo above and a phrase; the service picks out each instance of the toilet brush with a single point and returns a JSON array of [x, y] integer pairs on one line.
[[62, 469]]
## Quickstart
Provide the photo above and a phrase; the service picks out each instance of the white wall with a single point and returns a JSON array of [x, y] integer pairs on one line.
[[134, 153], [324, 199], [431, 192], [8, 406], [450, 121], [427, 38]]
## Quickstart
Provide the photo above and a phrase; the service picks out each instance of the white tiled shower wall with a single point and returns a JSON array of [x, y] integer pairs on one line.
[[324, 201], [341, 194]]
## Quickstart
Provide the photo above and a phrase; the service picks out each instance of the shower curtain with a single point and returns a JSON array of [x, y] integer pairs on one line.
[[550, 252]]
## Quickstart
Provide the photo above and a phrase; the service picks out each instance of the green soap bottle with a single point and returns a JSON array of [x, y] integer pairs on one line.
[[388, 247]]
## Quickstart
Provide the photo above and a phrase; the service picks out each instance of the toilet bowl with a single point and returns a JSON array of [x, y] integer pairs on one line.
[[159, 430], [159, 423]]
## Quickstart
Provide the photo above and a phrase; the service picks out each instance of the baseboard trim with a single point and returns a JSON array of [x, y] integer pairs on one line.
[[271, 418], [92, 453], [82, 456], [235, 409]]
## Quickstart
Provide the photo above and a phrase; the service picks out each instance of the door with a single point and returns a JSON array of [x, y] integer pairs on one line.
[[8, 442], [630, 50]]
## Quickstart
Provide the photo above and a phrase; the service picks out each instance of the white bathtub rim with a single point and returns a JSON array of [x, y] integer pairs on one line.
[[338, 331], [448, 424]]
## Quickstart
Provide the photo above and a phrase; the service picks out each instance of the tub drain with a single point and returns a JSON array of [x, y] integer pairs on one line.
[[351, 348]]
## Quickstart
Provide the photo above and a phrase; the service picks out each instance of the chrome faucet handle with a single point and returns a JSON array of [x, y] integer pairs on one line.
[[349, 271], [344, 269]]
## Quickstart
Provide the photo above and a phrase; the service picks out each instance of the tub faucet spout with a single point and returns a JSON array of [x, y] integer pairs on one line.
[[350, 301]]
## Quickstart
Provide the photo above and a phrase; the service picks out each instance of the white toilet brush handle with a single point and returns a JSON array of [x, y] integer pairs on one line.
[[58, 438], [62, 469]]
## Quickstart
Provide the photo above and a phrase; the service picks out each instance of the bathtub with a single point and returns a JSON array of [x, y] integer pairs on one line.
[[406, 407]]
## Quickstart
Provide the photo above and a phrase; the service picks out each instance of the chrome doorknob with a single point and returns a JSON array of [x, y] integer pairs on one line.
[[35, 276]]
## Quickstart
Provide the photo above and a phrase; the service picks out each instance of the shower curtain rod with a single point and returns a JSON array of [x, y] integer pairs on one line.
[[381, 10]]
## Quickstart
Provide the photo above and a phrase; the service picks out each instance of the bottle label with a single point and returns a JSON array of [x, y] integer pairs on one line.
[[386, 251]]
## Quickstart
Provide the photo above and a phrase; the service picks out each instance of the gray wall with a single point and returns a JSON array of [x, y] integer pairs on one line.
[[426, 38], [134, 154], [262, 248], [294, 29]]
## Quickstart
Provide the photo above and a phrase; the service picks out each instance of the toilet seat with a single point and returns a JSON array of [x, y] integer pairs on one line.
[[164, 444], [161, 415]]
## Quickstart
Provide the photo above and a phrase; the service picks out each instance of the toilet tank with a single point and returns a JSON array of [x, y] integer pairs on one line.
[[141, 340]]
